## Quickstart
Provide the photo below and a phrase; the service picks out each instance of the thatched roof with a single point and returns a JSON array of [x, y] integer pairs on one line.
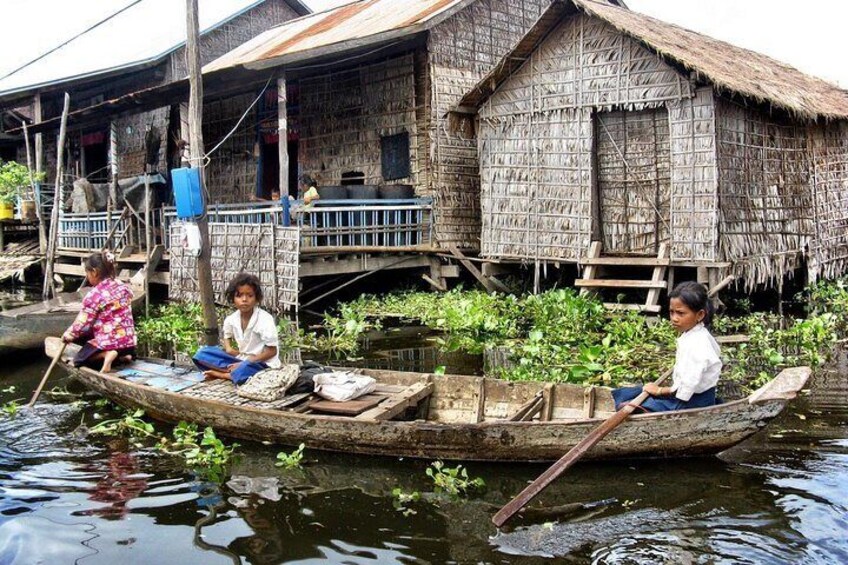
[[728, 67]]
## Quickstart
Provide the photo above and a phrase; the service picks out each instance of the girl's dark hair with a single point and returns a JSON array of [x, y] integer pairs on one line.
[[243, 279], [694, 295], [101, 264]]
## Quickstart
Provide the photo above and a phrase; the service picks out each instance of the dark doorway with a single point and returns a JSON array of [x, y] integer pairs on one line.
[[95, 155]]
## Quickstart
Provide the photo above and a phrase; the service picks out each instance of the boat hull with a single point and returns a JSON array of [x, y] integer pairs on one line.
[[27, 327], [670, 434]]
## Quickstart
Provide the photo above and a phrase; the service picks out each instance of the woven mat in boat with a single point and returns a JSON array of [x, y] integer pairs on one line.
[[225, 391], [155, 375]]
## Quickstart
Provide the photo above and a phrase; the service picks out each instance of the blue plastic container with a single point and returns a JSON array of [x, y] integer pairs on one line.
[[187, 193]]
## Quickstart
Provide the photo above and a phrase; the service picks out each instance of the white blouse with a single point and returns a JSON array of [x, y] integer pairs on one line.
[[261, 331], [697, 363]]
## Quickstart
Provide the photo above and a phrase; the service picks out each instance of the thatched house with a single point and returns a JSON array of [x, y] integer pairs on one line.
[[367, 88], [603, 124], [139, 46]]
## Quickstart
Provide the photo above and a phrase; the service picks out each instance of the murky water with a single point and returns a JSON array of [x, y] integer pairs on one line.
[[65, 498]]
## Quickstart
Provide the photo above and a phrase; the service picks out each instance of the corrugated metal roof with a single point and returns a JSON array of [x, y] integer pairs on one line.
[[354, 25], [142, 34]]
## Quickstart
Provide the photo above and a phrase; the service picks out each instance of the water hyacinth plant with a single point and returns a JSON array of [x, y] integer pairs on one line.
[[555, 336]]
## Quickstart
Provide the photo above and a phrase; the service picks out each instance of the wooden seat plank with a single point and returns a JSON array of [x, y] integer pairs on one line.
[[529, 408], [399, 402], [626, 261], [619, 283], [348, 407]]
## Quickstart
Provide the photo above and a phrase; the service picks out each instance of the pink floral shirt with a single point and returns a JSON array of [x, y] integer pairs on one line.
[[106, 315]]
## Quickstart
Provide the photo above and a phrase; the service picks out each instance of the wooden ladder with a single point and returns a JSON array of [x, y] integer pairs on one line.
[[591, 282]]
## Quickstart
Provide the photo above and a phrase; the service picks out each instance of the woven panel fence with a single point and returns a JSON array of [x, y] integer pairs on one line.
[[270, 252]]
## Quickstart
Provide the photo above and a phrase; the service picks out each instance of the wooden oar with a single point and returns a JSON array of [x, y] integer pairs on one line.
[[571, 457], [47, 374]]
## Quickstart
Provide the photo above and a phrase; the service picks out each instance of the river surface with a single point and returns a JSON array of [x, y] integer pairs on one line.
[[65, 497]]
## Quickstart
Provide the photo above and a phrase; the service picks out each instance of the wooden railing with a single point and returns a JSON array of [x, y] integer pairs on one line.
[[89, 231], [336, 225], [330, 225], [372, 225]]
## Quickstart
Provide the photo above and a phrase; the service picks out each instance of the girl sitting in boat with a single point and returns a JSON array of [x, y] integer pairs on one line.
[[252, 328], [697, 363], [105, 318]]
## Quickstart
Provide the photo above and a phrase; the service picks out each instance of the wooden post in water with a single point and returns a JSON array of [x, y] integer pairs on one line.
[[112, 200], [39, 166], [283, 136], [195, 104], [57, 203]]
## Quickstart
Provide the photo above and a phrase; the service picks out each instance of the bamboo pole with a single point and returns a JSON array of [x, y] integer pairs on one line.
[[39, 160], [282, 136], [112, 200], [204, 263], [147, 237], [57, 203], [32, 185]]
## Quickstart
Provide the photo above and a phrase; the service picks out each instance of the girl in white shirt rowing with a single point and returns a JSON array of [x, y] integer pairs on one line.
[[253, 330], [697, 363]]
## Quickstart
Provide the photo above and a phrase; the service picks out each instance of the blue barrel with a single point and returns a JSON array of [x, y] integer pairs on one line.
[[187, 192]]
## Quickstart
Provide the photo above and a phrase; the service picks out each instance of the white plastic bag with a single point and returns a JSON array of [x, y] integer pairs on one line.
[[192, 238], [342, 386]]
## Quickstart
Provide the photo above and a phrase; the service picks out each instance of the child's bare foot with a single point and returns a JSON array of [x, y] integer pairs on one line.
[[213, 374], [108, 359], [125, 358]]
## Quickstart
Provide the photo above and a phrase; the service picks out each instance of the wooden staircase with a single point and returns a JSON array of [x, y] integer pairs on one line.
[[590, 281], [131, 267]]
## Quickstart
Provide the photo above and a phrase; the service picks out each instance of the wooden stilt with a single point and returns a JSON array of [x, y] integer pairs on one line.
[[57, 203]]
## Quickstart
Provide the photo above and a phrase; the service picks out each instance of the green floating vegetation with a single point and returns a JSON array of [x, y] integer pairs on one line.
[[203, 452], [555, 336], [453, 481], [291, 460]]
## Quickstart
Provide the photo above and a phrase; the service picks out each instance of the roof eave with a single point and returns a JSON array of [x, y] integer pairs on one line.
[[378, 41]]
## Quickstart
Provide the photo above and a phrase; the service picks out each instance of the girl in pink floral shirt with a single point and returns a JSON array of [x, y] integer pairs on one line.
[[105, 318]]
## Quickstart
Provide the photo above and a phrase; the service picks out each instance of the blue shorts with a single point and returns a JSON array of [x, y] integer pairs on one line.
[[213, 357], [663, 403]]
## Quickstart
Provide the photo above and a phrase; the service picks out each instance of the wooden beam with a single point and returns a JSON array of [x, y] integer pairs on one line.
[[590, 269], [529, 409], [398, 402], [283, 135], [618, 283], [195, 104], [438, 286], [487, 283], [57, 203]]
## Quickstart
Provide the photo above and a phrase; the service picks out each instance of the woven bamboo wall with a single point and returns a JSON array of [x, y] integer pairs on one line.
[[231, 169], [829, 176], [131, 133], [694, 205], [344, 114], [765, 192], [463, 49], [536, 136], [268, 251]]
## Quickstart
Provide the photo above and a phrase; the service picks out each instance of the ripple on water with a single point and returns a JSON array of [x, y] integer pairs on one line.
[[39, 434], [38, 539]]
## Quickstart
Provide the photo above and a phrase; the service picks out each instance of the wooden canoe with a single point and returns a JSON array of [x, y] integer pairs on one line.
[[28, 326], [455, 417]]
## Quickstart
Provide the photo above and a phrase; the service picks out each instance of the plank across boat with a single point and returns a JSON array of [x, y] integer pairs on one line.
[[459, 417]]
